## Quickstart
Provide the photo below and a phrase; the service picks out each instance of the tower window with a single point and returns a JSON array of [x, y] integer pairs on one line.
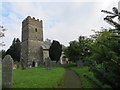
[[35, 29]]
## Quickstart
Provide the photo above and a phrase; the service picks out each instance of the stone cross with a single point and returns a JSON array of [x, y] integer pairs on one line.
[[7, 72]]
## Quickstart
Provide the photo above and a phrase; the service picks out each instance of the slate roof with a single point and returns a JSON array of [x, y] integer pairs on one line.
[[46, 45]]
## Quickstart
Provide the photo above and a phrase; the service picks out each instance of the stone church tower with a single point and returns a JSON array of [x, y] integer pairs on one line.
[[32, 39]]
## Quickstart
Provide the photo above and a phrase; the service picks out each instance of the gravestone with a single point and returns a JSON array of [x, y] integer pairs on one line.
[[18, 65], [7, 72], [53, 64], [47, 63], [79, 63], [58, 63]]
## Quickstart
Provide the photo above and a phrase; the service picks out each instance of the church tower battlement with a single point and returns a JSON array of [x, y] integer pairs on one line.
[[32, 29], [32, 39]]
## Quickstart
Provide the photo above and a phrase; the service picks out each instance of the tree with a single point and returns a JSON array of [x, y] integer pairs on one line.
[[73, 51], [2, 52], [78, 50], [105, 58], [101, 51], [109, 19], [2, 29], [15, 50], [55, 51]]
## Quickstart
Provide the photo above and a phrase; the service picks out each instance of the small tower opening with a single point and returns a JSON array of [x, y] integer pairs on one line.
[[35, 29]]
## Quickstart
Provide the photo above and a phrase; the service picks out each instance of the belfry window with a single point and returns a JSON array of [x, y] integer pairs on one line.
[[35, 29]]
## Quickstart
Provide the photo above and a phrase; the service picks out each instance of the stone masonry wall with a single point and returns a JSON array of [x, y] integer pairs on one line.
[[32, 38], [34, 51]]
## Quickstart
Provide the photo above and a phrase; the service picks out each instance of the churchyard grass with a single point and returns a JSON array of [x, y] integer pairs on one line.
[[37, 77], [87, 78]]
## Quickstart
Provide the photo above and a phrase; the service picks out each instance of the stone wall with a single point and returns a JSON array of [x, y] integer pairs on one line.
[[35, 52], [63, 58], [32, 29], [24, 52], [45, 54]]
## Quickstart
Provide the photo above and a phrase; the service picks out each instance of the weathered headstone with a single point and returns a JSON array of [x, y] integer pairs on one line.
[[53, 64], [7, 72], [18, 65], [58, 63], [47, 63], [79, 63], [23, 65], [50, 64]]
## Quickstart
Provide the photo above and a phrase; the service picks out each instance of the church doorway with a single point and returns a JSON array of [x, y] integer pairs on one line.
[[33, 64]]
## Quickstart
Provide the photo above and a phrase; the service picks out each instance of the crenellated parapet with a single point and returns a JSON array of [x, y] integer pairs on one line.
[[32, 20]]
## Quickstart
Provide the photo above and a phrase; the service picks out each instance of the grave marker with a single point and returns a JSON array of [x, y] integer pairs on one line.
[[7, 72]]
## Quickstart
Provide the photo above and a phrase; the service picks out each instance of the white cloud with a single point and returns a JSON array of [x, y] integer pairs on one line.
[[62, 21], [55, 0]]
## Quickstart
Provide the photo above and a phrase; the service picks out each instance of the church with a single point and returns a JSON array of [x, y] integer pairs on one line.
[[34, 51]]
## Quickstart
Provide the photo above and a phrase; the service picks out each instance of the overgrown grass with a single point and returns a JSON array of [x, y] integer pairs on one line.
[[37, 77], [84, 73]]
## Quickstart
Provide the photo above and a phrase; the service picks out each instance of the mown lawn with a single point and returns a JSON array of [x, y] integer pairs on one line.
[[86, 82], [37, 77]]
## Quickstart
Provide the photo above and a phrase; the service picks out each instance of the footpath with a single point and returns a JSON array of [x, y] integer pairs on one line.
[[71, 79]]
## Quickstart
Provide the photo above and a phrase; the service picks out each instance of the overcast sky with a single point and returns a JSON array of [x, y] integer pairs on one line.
[[63, 20]]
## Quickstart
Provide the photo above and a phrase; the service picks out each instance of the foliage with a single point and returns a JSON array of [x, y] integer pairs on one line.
[[2, 34], [55, 50], [107, 55], [15, 50], [37, 77], [87, 83], [2, 52], [78, 49], [112, 15], [103, 57], [72, 52]]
